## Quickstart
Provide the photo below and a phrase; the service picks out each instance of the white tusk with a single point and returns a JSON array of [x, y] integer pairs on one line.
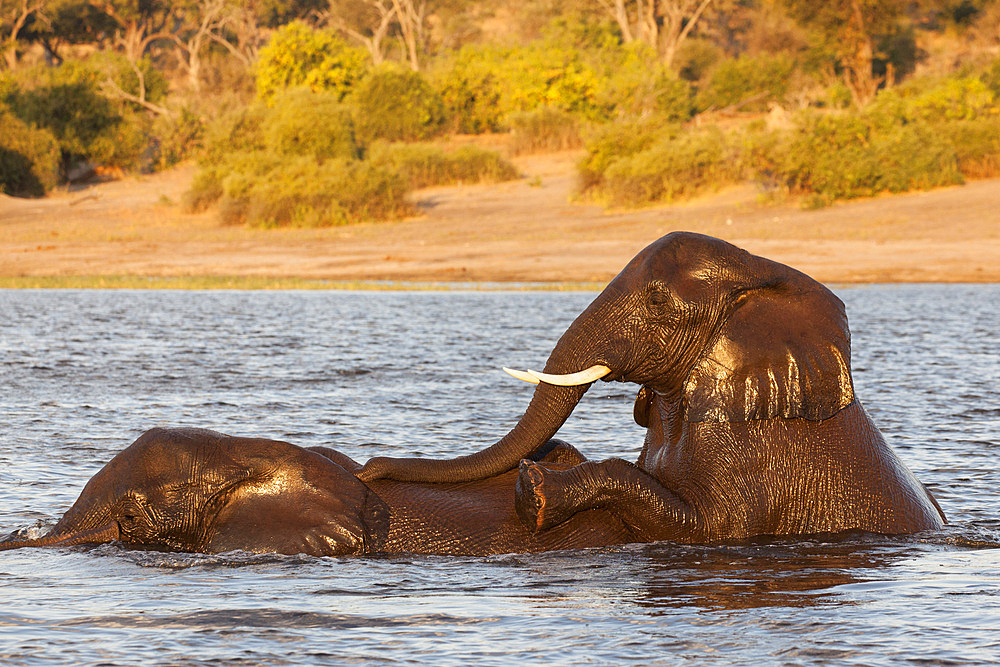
[[573, 379], [521, 375]]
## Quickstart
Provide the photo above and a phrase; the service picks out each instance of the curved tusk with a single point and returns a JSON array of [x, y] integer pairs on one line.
[[573, 379], [521, 375]]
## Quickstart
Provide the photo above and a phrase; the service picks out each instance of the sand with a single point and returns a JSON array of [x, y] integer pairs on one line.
[[528, 230]]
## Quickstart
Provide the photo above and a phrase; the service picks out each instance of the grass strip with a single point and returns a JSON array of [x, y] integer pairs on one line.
[[271, 283]]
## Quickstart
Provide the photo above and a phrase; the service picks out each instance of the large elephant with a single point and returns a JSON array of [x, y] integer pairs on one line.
[[752, 424], [194, 490]]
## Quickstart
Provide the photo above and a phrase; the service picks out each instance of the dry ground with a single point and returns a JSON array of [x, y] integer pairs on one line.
[[526, 230]]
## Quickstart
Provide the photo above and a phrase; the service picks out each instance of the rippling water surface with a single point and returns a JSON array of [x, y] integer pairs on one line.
[[83, 373]]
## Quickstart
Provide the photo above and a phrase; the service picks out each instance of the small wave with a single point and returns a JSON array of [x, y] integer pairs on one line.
[[266, 618]]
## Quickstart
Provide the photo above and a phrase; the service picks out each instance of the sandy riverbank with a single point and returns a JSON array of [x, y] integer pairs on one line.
[[526, 230]]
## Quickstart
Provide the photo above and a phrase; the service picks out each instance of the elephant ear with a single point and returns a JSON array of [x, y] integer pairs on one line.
[[782, 352], [300, 503]]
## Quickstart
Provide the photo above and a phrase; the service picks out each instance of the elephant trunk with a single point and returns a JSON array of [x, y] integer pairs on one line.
[[550, 407], [100, 535]]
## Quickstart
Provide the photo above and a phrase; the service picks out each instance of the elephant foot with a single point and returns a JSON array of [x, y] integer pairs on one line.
[[536, 497]]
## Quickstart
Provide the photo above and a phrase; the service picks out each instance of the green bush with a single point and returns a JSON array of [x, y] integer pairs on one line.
[[991, 78], [302, 122], [544, 129], [469, 84], [673, 167], [266, 190], [483, 86], [178, 137], [396, 104], [424, 165], [636, 83], [238, 131], [845, 156], [916, 138], [749, 82], [977, 145], [618, 141], [29, 158], [298, 55], [69, 101]]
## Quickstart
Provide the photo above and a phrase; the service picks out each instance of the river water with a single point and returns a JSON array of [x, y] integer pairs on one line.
[[83, 373]]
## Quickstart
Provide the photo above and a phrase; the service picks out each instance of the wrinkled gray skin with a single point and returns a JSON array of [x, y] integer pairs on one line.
[[753, 427]]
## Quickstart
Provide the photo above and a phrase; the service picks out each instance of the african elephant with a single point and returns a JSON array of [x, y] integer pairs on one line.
[[746, 393], [194, 490]]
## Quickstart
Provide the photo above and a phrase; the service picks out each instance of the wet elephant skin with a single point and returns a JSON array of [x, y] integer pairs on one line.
[[194, 490]]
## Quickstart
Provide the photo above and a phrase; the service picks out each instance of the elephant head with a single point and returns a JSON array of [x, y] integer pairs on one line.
[[728, 335], [199, 491]]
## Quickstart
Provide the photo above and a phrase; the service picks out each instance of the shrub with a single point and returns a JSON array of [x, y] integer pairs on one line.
[[424, 165], [672, 167], [483, 86], [847, 156], [977, 145], [469, 84], [68, 100], [298, 55], [544, 129], [302, 122], [29, 158], [178, 137], [749, 82], [991, 78], [396, 104], [266, 190], [617, 141], [637, 84], [239, 131]]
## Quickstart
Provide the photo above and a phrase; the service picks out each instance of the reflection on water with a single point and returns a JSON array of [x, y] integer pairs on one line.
[[404, 373]]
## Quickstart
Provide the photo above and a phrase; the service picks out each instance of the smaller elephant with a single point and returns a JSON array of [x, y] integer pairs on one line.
[[195, 490]]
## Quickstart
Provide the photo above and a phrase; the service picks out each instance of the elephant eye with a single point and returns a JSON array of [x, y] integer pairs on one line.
[[659, 296]]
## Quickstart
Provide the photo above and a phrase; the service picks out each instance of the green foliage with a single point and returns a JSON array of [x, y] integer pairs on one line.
[[483, 86], [617, 141], [673, 166], [636, 83], [423, 165], [29, 157], [853, 155], [69, 101], [977, 145], [951, 99], [470, 86], [267, 190], [396, 104], [298, 55], [544, 129], [749, 82], [240, 130], [927, 134], [298, 122], [991, 78], [114, 67], [178, 137], [301, 122]]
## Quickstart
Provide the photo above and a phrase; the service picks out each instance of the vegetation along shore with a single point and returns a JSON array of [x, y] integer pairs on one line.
[[320, 143]]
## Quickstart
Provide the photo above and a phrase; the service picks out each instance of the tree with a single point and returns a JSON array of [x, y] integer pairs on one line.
[[662, 24], [14, 16], [850, 29], [366, 21], [137, 23], [412, 16]]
